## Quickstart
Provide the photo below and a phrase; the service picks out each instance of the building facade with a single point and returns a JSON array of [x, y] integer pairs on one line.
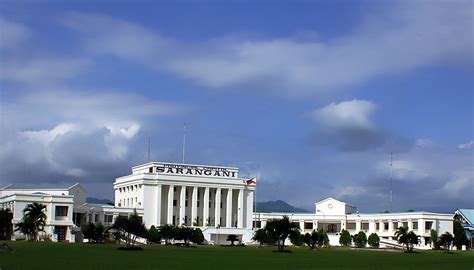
[[334, 216], [60, 204], [213, 198]]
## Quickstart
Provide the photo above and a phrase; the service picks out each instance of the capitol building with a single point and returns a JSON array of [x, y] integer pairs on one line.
[[214, 198]]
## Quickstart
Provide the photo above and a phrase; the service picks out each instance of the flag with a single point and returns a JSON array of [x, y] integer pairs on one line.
[[252, 181]]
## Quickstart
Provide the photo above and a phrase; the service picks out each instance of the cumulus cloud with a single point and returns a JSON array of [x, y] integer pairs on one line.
[[348, 126], [405, 36], [89, 136]]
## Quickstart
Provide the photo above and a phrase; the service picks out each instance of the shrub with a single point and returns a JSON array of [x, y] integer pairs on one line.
[[360, 239], [198, 237], [374, 240], [153, 235], [345, 238], [296, 238]]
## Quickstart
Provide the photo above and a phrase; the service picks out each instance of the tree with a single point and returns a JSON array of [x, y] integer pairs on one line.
[[446, 240], [184, 233], [323, 238], [198, 237], [460, 237], [33, 221], [279, 229], [232, 238], [131, 228], [311, 240], [167, 232], [6, 217], [345, 239], [374, 240], [434, 239], [95, 233], [262, 236], [153, 235], [409, 239], [296, 238], [360, 239]]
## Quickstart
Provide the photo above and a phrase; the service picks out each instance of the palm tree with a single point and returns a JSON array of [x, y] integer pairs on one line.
[[409, 239], [34, 220], [5, 224], [232, 238], [279, 229]]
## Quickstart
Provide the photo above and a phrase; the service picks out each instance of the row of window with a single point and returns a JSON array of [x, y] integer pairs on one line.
[[130, 188]]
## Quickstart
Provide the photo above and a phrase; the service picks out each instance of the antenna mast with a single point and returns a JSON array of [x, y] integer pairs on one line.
[[149, 144], [184, 140], [391, 193]]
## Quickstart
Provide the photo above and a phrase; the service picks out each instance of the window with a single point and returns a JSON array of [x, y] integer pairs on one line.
[[136, 199], [405, 224], [415, 225], [210, 204], [377, 226], [257, 224], [365, 226], [96, 218], [308, 225], [221, 204], [197, 203], [395, 226], [109, 218], [174, 189], [61, 211], [351, 226], [150, 170], [186, 203], [428, 225], [175, 202], [385, 226]]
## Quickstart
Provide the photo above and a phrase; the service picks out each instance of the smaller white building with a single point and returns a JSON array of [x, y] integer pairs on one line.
[[334, 216], [59, 208]]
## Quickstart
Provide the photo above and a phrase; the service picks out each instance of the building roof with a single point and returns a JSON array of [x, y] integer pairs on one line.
[[331, 198], [468, 215], [63, 186]]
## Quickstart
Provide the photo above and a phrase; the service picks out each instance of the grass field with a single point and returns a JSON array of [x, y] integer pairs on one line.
[[106, 256]]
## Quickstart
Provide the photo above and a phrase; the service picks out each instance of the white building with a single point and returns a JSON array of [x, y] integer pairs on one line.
[[333, 216], [212, 198], [59, 208]]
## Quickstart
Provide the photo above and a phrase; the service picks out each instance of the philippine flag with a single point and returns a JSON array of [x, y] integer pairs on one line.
[[252, 181]]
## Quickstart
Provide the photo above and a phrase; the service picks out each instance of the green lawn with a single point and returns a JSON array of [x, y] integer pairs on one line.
[[86, 256]]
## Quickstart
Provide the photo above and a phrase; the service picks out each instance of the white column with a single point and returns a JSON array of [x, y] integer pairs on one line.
[[169, 219], [205, 207], [228, 221], [240, 209], [217, 216], [182, 205], [159, 201], [194, 206]]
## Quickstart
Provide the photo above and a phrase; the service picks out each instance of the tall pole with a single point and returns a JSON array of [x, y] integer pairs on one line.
[[149, 145], [391, 182], [255, 201], [184, 140]]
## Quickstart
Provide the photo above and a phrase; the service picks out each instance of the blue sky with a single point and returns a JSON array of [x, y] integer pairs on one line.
[[314, 95]]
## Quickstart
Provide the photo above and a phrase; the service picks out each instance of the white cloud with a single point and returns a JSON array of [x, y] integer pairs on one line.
[[346, 114], [466, 146], [406, 36], [42, 71], [12, 34], [350, 191]]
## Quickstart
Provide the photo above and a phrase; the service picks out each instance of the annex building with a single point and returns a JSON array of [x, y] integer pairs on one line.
[[213, 198], [333, 216]]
